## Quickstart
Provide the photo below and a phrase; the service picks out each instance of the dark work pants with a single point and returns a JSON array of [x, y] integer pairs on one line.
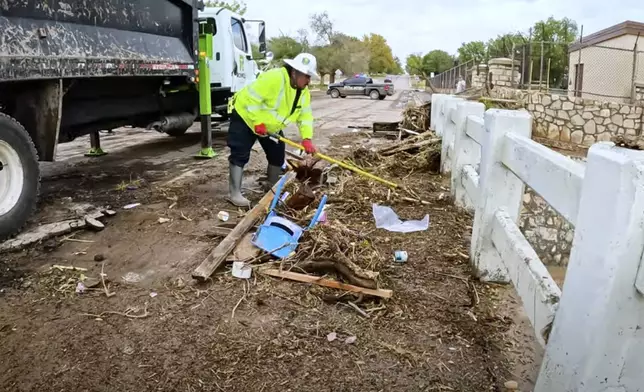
[[241, 140]]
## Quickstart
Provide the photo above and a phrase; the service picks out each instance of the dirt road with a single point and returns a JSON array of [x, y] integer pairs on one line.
[[161, 332]]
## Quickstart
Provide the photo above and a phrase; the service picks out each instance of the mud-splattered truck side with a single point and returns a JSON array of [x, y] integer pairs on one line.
[[75, 67]]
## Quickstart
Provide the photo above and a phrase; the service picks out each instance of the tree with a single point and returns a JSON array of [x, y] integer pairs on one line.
[[436, 61], [284, 47], [381, 56], [238, 7], [502, 45], [414, 64], [322, 27], [556, 35], [398, 69], [474, 50], [336, 50]]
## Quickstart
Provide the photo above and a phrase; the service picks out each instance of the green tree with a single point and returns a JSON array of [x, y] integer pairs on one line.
[[238, 7], [398, 68], [502, 45], [556, 35], [436, 61], [381, 57], [414, 64], [284, 47], [336, 50], [475, 50]]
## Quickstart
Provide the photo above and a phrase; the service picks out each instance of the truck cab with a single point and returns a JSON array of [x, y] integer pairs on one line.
[[232, 66]]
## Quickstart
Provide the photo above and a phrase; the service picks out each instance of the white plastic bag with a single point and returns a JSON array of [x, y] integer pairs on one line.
[[387, 219]]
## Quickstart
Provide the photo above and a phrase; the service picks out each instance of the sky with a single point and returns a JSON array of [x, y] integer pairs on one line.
[[412, 26]]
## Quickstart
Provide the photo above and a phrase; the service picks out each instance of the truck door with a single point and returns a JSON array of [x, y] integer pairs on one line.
[[242, 57]]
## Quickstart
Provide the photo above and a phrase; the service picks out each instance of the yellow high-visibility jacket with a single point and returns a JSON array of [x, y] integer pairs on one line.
[[269, 100]]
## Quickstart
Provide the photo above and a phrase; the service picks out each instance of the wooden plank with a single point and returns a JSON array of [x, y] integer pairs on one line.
[[245, 250], [325, 282], [219, 254]]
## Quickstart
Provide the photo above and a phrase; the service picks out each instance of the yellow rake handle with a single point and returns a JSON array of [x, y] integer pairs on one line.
[[337, 162]]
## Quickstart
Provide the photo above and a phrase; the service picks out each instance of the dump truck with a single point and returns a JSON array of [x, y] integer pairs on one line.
[[70, 68]]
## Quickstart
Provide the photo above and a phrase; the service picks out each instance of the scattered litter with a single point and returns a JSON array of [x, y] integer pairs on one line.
[[400, 256], [350, 340], [387, 219], [346, 146], [332, 336], [94, 223], [223, 216], [163, 220], [80, 288], [109, 212], [241, 270], [68, 268], [130, 206], [153, 294], [132, 277], [511, 385]]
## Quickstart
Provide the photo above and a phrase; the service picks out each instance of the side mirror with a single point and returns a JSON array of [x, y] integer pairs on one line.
[[269, 56], [262, 37]]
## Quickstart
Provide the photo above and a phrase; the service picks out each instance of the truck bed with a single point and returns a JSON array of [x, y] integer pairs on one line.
[[51, 39]]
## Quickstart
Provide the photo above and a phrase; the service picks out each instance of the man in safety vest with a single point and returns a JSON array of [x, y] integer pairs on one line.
[[277, 98]]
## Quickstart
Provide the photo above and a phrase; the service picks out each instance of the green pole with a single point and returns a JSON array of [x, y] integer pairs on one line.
[[206, 31]]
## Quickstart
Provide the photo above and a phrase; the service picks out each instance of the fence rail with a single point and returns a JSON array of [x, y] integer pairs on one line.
[[592, 331]]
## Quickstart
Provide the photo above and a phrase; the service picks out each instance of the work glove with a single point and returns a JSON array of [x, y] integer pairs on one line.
[[260, 129], [309, 148]]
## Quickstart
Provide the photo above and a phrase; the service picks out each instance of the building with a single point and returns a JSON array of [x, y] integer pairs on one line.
[[602, 64]]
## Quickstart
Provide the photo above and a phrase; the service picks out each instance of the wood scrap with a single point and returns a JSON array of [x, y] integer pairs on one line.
[[412, 146], [219, 254], [245, 250], [382, 293], [342, 269], [46, 231]]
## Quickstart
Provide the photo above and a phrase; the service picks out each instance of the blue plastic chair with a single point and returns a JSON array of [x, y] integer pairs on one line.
[[278, 235]]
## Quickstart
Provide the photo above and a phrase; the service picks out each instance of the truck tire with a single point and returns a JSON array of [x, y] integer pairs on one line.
[[374, 94], [335, 93], [19, 176]]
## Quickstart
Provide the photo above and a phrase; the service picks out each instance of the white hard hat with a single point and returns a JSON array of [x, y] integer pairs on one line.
[[305, 63]]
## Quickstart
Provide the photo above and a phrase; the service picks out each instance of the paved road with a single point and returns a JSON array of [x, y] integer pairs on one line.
[[333, 116]]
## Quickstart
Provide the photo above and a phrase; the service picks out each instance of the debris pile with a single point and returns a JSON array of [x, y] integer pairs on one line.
[[342, 243], [344, 249], [416, 118]]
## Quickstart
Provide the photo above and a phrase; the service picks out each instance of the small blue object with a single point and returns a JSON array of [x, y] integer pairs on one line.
[[279, 236], [400, 256]]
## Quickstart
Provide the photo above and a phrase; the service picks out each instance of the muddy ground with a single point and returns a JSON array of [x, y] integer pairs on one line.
[[160, 331]]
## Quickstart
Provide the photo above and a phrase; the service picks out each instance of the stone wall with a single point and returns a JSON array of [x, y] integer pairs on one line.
[[576, 121], [548, 232]]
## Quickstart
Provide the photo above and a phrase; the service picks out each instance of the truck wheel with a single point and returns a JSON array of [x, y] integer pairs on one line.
[[374, 94], [335, 93], [19, 176]]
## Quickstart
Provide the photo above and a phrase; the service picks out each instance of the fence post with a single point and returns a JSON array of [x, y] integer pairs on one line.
[[435, 112], [449, 107], [466, 150], [498, 187], [597, 339]]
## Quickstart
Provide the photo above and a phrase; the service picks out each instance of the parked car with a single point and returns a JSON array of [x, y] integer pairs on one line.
[[360, 86]]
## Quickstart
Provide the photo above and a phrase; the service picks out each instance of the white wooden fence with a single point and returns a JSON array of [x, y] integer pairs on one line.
[[597, 338]]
